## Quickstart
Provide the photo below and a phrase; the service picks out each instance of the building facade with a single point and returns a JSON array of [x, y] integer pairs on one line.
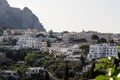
[[30, 71], [33, 43], [102, 50]]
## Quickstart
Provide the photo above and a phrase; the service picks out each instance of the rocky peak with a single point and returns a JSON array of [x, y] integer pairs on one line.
[[4, 4], [17, 18], [26, 9]]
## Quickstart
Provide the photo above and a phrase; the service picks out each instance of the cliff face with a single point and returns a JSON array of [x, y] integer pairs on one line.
[[17, 18]]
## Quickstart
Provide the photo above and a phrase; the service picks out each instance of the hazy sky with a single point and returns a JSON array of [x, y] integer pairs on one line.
[[75, 15]]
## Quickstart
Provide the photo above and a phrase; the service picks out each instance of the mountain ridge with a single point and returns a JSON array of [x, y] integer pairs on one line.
[[18, 19]]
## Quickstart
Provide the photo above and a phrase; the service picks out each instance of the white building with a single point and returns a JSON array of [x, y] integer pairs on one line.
[[5, 35], [57, 34], [116, 40], [58, 48], [102, 50], [1, 40], [74, 53], [29, 43], [66, 38], [30, 34], [33, 70], [9, 73]]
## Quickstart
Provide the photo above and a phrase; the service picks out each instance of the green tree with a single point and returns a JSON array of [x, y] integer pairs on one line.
[[119, 55], [50, 33], [92, 73], [30, 58], [95, 37], [14, 41], [102, 40], [116, 62], [82, 40], [82, 59], [111, 41], [79, 40], [85, 48], [111, 68], [48, 43], [66, 76], [40, 35]]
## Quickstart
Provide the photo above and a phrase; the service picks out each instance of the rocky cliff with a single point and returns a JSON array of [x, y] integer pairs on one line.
[[17, 18]]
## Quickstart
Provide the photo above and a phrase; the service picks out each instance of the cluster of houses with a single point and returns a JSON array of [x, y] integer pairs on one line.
[[63, 43], [28, 73], [58, 43], [24, 39]]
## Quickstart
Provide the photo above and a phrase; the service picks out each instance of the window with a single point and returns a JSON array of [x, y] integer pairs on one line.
[[9, 73], [15, 74], [32, 70], [95, 56]]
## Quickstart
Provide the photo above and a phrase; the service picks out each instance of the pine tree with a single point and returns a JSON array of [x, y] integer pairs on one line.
[[66, 76]]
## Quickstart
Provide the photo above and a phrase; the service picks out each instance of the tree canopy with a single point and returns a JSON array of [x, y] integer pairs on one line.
[[102, 40], [95, 37], [30, 58]]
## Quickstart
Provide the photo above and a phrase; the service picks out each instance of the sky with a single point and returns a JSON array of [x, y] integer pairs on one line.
[[75, 15]]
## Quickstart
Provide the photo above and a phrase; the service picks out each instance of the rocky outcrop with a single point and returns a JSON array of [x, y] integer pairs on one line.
[[16, 18]]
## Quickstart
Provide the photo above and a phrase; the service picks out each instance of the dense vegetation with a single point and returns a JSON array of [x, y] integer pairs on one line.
[[58, 68]]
